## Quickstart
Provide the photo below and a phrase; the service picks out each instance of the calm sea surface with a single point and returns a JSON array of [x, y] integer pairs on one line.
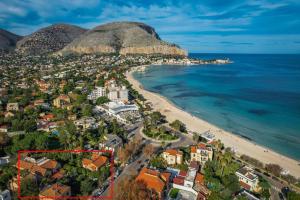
[[256, 97]]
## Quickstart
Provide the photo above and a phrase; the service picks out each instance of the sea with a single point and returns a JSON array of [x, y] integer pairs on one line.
[[256, 97]]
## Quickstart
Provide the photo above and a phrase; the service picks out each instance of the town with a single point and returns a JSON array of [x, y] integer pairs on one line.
[[85, 105]]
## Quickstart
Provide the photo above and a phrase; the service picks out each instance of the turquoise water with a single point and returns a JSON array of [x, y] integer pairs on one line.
[[256, 97]]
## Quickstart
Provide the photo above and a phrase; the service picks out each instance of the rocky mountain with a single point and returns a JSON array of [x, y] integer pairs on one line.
[[8, 40], [123, 38], [49, 39]]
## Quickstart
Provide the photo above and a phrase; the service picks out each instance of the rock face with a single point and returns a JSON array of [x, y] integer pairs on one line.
[[123, 38], [8, 40], [49, 39]]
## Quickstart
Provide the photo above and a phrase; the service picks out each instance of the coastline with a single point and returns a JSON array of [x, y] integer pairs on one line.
[[239, 144]]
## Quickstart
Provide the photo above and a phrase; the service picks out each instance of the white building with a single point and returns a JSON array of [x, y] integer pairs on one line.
[[86, 123], [248, 180], [5, 195], [96, 93], [173, 156], [201, 153]]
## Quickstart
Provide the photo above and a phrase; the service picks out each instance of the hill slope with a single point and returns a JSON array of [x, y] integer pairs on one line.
[[49, 39], [8, 40], [123, 38]]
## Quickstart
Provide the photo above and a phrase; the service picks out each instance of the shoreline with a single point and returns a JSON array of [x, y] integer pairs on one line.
[[239, 144]]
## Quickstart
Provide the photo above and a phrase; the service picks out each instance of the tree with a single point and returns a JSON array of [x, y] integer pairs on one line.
[[4, 140], [138, 190], [87, 110], [86, 187], [102, 100], [158, 162], [149, 150], [178, 125], [29, 187], [157, 118], [274, 169], [30, 125], [293, 196]]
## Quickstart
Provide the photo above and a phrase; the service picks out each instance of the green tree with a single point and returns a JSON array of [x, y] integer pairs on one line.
[[86, 187], [102, 100], [178, 125], [87, 110], [29, 187]]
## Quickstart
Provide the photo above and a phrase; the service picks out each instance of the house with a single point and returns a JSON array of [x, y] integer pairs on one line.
[[173, 156], [95, 163], [5, 195], [47, 117], [8, 114], [201, 153], [200, 187], [55, 190], [154, 180], [185, 180], [248, 180], [111, 142], [86, 123], [62, 101], [42, 167], [3, 128], [12, 107], [43, 86]]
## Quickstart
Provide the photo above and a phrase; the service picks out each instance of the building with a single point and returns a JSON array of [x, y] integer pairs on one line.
[[248, 180], [154, 180], [42, 167], [201, 153], [3, 128], [4, 160], [95, 163], [55, 190], [12, 107], [111, 142], [62, 101], [86, 123], [96, 93], [246, 194], [116, 93], [5, 195], [173, 156]]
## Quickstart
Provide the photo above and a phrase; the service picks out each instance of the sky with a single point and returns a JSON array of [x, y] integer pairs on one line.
[[202, 26]]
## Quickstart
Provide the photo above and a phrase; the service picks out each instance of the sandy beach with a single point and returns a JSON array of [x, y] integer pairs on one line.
[[240, 145]]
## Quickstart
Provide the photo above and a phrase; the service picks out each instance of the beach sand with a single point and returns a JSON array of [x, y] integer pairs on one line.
[[240, 145]]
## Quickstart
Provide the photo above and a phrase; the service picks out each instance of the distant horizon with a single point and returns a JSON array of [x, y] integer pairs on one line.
[[246, 26]]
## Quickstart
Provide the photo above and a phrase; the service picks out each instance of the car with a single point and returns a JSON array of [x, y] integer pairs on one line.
[[280, 196], [147, 160], [285, 191], [139, 162]]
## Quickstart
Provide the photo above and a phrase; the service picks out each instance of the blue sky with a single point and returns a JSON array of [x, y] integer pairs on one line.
[[219, 26]]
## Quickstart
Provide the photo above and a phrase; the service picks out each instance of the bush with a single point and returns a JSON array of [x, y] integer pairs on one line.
[[173, 193], [252, 161]]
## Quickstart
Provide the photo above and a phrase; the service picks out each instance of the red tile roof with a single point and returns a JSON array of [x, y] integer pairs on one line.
[[245, 186], [152, 179]]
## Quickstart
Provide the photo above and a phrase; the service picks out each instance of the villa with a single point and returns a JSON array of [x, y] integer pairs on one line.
[[95, 163], [172, 156], [154, 180], [12, 107], [111, 142], [248, 180], [62, 101], [86, 123], [201, 153], [55, 190]]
